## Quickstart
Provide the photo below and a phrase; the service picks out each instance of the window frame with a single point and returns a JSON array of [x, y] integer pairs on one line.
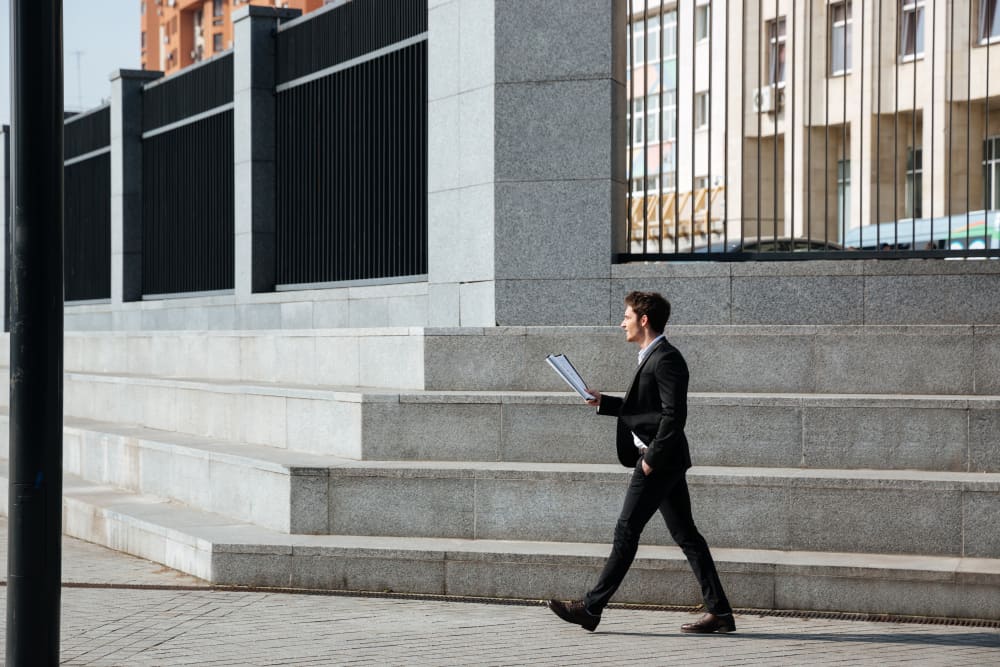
[[917, 10], [702, 110], [702, 22], [913, 207], [776, 41], [983, 36], [991, 173], [847, 25], [843, 195]]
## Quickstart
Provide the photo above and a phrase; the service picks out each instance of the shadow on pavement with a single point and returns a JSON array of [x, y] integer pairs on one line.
[[887, 637], [978, 639]]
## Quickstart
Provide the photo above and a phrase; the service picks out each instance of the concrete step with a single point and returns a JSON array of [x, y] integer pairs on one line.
[[386, 357], [902, 512], [880, 359], [224, 551], [279, 489], [948, 433], [914, 359], [935, 513]]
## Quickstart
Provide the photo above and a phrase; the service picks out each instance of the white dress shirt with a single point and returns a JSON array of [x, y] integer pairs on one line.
[[639, 444]]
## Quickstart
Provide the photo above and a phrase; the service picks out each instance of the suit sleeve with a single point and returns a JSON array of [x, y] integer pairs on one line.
[[610, 405], [670, 374]]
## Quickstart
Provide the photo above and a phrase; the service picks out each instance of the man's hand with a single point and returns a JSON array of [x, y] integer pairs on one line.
[[596, 400], [645, 468]]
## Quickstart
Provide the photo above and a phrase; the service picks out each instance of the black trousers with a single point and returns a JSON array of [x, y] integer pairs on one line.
[[666, 491]]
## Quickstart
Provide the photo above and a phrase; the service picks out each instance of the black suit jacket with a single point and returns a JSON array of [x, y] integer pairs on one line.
[[655, 409]]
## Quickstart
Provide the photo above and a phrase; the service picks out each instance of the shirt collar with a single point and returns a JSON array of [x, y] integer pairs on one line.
[[646, 350]]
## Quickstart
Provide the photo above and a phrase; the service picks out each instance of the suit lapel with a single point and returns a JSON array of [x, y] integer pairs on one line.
[[638, 369]]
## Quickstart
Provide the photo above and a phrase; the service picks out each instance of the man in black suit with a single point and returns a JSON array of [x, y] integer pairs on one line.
[[651, 418]]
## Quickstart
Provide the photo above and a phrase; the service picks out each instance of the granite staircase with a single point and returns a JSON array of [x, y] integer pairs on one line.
[[846, 468]]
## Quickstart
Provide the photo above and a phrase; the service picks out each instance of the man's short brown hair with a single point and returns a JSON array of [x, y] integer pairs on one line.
[[652, 305]]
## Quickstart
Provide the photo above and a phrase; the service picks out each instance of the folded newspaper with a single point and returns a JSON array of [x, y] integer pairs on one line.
[[561, 365]]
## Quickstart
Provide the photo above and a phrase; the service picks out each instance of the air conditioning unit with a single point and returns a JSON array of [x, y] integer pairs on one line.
[[763, 99], [768, 99]]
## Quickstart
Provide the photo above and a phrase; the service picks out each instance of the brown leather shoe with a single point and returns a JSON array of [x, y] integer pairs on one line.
[[710, 623], [574, 612]]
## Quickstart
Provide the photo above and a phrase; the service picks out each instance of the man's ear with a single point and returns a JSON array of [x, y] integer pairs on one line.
[[644, 321]]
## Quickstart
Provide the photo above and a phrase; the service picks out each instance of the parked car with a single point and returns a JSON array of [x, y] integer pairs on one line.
[[783, 244]]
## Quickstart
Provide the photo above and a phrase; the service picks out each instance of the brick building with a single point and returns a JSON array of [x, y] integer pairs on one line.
[[178, 33]]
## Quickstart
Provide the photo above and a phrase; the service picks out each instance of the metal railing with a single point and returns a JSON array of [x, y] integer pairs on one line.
[[766, 129], [351, 144], [87, 206], [188, 206]]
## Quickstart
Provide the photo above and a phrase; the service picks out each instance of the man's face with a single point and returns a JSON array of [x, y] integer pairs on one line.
[[633, 325]]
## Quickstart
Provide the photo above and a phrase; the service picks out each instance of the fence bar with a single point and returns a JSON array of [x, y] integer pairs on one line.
[[645, 126], [774, 126], [968, 127]]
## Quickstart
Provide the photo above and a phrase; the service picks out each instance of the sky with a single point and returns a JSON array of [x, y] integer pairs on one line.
[[99, 37]]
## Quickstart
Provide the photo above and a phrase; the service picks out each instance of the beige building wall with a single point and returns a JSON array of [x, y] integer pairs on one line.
[[944, 102]]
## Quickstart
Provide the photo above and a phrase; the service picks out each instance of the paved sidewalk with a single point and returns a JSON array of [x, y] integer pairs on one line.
[[174, 619]]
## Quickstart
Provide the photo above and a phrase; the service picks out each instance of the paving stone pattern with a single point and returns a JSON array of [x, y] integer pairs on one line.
[[159, 624]]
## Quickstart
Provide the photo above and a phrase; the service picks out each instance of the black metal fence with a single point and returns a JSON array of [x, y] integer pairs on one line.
[[353, 30], [351, 143], [187, 181], [87, 206], [351, 149], [760, 129]]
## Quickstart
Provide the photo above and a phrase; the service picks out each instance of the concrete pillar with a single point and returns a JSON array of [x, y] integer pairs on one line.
[[126, 183], [254, 78], [526, 176], [461, 179]]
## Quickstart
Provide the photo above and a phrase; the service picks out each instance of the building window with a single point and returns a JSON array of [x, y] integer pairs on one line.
[[702, 21], [217, 7], [217, 42], [989, 20], [700, 111], [669, 115], [843, 194], [840, 38], [911, 29], [142, 38], [776, 51], [637, 121], [914, 182], [670, 35], [653, 40], [991, 173]]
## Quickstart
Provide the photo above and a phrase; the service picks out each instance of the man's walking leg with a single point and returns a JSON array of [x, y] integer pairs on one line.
[[644, 495], [641, 501], [676, 511]]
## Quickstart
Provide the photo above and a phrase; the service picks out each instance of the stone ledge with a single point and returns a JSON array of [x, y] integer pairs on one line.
[[231, 553]]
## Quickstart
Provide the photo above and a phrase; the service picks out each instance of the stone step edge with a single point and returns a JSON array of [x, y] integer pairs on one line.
[[293, 463], [189, 540], [358, 394]]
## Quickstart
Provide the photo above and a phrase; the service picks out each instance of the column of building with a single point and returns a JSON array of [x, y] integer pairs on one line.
[[526, 163], [126, 184], [254, 80]]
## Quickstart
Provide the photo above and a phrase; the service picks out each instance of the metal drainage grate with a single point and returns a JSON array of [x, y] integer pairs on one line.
[[391, 595]]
